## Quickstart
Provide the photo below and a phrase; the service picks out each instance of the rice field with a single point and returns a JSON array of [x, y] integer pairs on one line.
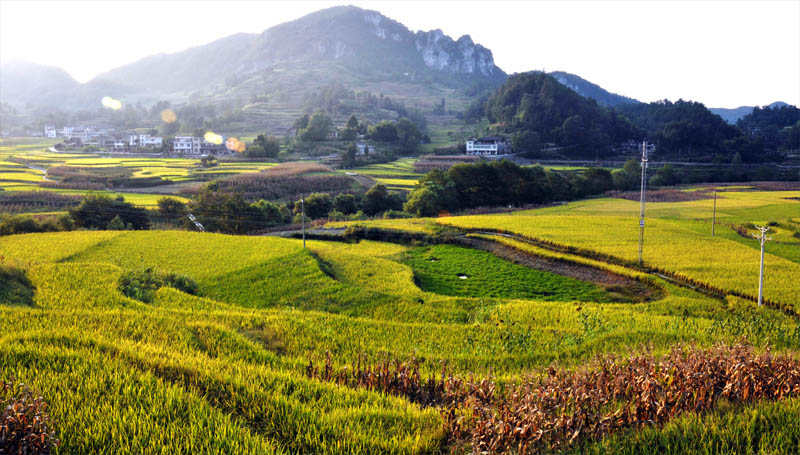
[[225, 369], [23, 165]]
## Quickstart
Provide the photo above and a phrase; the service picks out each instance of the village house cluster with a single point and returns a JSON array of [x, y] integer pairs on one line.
[[111, 141], [104, 138]]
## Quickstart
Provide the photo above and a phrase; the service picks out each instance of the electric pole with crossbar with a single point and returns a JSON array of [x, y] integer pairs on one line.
[[763, 239], [641, 209]]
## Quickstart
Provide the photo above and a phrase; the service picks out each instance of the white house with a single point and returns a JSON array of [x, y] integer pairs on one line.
[[490, 145], [364, 149], [50, 131], [187, 145], [144, 140]]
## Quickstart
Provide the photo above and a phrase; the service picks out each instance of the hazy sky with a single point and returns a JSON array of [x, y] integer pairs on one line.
[[722, 53]]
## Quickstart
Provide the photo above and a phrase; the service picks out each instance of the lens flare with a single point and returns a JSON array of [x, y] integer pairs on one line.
[[213, 138], [168, 116], [235, 145], [111, 103]]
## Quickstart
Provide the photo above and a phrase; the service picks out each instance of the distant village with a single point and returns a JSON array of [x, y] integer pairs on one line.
[[110, 141]]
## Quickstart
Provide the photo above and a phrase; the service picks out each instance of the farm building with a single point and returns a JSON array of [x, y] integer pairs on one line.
[[490, 145]]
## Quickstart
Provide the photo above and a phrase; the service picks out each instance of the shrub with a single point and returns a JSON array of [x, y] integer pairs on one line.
[[141, 284], [25, 426], [181, 282]]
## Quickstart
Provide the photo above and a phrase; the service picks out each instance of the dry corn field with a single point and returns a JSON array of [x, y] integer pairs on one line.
[[401, 344]]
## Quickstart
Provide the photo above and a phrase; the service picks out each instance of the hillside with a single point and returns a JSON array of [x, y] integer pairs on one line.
[[23, 82], [263, 80], [590, 90], [535, 109]]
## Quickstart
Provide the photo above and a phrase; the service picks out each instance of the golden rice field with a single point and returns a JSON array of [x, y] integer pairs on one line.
[[26, 175], [223, 371]]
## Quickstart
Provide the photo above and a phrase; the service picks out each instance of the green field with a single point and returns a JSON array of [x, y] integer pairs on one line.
[[452, 270]]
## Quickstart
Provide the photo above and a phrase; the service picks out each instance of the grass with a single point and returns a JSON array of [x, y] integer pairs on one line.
[[459, 271]]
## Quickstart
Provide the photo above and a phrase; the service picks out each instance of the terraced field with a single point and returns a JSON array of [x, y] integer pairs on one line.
[[398, 175], [224, 371], [23, 166]]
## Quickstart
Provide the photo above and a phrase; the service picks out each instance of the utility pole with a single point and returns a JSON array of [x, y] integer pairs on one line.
[[714, 217], [763, 239], [641, 209], [303, 215]]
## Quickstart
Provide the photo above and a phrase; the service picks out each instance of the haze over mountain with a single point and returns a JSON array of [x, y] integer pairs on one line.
[[590, 90], [733, 115], [349, 45]]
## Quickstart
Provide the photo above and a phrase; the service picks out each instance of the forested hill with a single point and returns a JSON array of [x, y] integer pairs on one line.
[[778, 126], [688, 131], [536, 109], [546, 119]]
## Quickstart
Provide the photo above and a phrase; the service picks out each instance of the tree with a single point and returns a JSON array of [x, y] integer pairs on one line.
[[116, 224], [319, 126], [97, 211], [408, 135], [317, 205], [629, 177], [384, 131], [430, 199], [378, 199], [300, 124], [218, 211], [597, 181], [171, 208], [266, 146], [665, 176], [349, 156], [273, 215], [352, 122], [526, 142], [345, 203]]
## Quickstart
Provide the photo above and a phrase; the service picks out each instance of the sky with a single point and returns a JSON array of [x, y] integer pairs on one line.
[[721, 53]]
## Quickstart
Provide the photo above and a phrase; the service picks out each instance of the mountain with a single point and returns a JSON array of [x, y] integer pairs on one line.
[[733, 115], [266, 78], [23, 82], [590, 90], [188, 70]]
